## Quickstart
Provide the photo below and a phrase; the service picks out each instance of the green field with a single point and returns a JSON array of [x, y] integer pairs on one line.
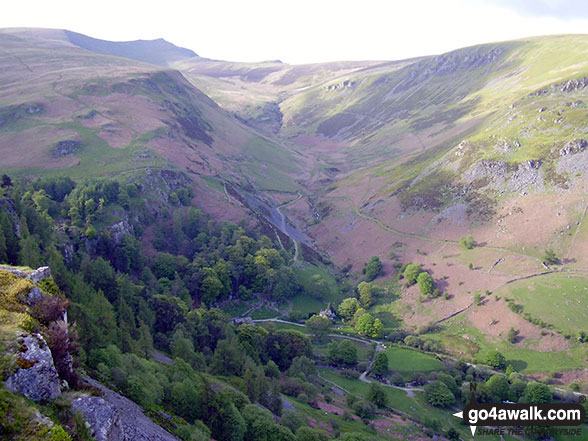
[[306, 304], [407, 360], [264, 313], [415, 406], [560, 300], [364, 351], [525, 360]]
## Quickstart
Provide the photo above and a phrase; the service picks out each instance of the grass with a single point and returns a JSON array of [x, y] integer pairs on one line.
[[364, 351], [405, 361], [415, 406], [305, 304], [264, 313], [525, 360], [561, 300], [305, 273], [278, 326]]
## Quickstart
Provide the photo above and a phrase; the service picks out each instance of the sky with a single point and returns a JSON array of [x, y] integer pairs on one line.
[[306, 31]]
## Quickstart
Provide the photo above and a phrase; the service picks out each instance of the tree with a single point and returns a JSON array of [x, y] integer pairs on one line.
[[438, 394], [377, 395], [426, 283], [537, 393], [211, 288], [550, 258], [496, 360], [373, 268], [367, 325], [228, 358], [226, 422], [6, 181], [380, 364], [169, 311], [343, 353], [348, 307], [302, 367], [318, 325], [467, 242], [512, 335], [365, 294], [411, 272], [498, 387]]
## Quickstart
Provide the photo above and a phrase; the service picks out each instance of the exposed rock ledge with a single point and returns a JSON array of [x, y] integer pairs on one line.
[[37, 378], [116, 418]]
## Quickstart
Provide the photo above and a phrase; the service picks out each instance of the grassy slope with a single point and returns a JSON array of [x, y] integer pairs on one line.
[[125, 114]]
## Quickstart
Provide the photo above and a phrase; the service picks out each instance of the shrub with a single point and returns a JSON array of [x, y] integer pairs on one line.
[[467, 242]]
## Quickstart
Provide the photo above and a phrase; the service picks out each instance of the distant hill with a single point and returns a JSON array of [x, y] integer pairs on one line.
[[159, 52]]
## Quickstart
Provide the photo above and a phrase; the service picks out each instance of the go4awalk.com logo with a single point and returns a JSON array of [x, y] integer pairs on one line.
[[523, 418]]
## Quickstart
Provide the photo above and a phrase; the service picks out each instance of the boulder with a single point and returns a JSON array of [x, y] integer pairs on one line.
[[102, 418], [39, 274], [36, 378]]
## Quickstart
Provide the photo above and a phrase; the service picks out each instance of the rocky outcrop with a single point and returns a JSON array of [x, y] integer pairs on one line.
[[64, 148], [39, 274], [565, 87], [119, 230], [118, 418], [102, 417], [575, 146], [499, 175], [36, 276], [36, 377]]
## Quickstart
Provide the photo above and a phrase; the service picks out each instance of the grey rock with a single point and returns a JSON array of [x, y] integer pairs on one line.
[[102, 417], [40, 381], [119, 230], [135, 425], [39, 274], [572, 147], [64, 148], [34, 297]]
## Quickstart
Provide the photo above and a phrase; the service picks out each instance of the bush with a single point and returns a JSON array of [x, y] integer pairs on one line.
[[550, 258], [377, 395], [467, 242]]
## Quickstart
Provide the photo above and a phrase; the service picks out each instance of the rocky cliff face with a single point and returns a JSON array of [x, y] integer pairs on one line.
[[36, 377], [110, 417], [116, 418]]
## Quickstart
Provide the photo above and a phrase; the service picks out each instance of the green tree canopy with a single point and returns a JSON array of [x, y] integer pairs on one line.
[[373, 268], [438, 394], [411, 272], [426, 283], [496, 360], [348, 307], [380, 364]]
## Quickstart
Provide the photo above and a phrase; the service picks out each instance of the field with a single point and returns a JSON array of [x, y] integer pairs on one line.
[[415, 406], [560, 300], [406, 360]]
